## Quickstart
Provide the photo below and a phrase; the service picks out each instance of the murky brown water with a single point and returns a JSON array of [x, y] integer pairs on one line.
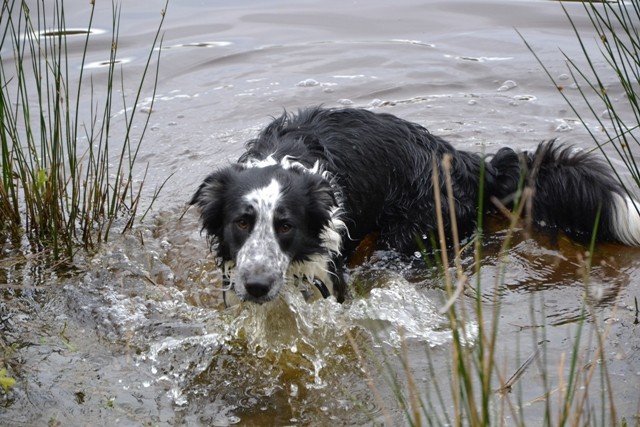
[[137, 334]]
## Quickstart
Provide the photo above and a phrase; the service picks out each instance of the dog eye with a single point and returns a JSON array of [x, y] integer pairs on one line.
[[242, 224], [284, 228]]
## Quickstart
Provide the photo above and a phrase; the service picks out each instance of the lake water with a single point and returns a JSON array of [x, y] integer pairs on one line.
[[137, 335]]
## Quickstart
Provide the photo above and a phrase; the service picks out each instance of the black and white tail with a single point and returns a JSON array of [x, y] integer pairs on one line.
[[572, 189]]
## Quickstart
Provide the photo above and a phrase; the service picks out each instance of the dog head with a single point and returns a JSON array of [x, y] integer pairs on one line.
[[264, 220]]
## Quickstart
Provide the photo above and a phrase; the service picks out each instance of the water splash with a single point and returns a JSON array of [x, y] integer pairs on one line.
[[284, 354], [290, 347], [399, 311]]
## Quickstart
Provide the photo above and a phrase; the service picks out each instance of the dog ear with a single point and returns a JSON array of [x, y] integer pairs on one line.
[[210, 198]]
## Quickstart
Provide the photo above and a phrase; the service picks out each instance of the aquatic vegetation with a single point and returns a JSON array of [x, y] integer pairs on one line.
[[67, 162], [189, 369], [6, 382], [479, 387], [616, 120]]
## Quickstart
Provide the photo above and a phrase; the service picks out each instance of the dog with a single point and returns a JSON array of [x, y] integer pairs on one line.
[[313, 185]]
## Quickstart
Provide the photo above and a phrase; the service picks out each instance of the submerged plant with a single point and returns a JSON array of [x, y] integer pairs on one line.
[[60, 185]]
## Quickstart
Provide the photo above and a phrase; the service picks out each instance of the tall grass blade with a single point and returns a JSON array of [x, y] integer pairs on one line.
[[52, 191]]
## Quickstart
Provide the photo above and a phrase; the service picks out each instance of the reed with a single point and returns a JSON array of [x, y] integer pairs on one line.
[[610, 121], [67, 162], [480, 391]]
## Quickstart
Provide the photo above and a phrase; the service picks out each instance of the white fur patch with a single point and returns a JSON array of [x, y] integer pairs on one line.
[[301, 274], [627, 220], [260, 255], [287, 162], [262, 246], [269, 161], [331, 235], [265, 199]]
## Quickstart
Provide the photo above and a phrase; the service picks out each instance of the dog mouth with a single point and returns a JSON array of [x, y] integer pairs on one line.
[[259, 301], [259, 293]]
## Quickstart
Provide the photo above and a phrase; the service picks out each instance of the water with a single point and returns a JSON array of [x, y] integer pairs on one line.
[[138, 334]]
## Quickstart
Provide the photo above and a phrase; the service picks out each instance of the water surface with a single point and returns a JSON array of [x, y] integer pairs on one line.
[[138, 334]]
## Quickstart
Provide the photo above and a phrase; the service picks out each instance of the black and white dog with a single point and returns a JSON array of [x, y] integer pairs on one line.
[[312, 185]]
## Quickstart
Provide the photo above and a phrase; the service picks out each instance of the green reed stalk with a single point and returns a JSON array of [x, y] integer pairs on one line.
[[479, 391], [53, 192], [476, 379], [619, 46], [619, 40]]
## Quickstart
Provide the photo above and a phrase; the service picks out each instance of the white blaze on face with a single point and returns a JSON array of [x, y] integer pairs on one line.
[[261, 258]]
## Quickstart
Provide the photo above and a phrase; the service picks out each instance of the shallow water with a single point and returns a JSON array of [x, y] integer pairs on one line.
[[137, 333]]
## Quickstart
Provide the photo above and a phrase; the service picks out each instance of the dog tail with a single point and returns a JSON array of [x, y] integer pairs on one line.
[[572, 190]]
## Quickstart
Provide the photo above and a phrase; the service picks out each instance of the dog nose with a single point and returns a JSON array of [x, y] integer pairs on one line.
[[258, 287]]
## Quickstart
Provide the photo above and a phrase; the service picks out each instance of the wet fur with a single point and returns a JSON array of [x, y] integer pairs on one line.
[[344, 173]]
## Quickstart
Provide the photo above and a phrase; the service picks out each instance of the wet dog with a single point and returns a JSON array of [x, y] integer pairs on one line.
[[312, 185]]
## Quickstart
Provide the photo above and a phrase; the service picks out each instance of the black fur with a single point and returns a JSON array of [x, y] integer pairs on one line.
[[379, 173], [382, 166], [571, 190], [308, 203]]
